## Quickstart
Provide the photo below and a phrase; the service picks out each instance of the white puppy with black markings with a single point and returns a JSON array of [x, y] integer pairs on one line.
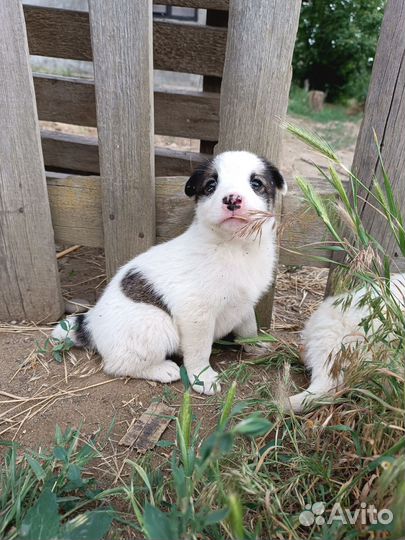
[[178, 297], [330, 328]]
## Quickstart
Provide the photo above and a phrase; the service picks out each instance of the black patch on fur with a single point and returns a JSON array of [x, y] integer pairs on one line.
[[272, 174], [196, 183], [177, 358], [136, 287], [272, 180], [82, 333]]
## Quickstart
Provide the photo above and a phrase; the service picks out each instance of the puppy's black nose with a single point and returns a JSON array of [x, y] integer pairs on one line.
[[232, 201]]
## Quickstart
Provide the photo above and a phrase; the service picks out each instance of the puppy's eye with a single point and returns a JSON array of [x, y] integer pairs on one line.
[[256, 184], [210, 186]]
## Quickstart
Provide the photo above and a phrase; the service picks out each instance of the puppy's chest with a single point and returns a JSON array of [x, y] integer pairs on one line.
[[238, 284]]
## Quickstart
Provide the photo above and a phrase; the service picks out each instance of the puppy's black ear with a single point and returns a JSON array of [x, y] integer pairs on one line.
[[195, 183], [274, 176]]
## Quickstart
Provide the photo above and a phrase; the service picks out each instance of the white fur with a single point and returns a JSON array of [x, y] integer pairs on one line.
[[209, 279], [328, 329]]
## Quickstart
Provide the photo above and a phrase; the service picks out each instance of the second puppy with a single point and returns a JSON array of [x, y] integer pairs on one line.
[[330, 328]]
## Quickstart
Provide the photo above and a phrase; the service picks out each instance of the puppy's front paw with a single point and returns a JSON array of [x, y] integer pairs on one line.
[[258, 349], [205, 381]]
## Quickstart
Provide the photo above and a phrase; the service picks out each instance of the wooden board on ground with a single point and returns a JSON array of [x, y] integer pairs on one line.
[[144, 433]]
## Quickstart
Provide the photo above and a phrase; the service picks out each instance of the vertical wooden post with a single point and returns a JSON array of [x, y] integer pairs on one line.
[[29, 281], [256, 83], [385, 113], [121, 35]]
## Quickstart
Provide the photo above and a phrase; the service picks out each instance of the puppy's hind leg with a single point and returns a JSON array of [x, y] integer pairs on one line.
[[164, 372], [140, 345]]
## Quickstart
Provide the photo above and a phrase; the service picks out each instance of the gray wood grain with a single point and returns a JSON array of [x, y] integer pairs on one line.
[[124, 93], [70, 153], [71, 100], [188, 48], [77, 218], [385, 113], [59, 33], [29, 282], [256, 83], [79, 154]]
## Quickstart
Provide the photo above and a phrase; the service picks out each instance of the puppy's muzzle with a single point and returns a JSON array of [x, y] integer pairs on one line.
[[232, 202]]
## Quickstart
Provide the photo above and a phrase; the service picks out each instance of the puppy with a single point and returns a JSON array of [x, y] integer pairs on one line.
[[179, 296], [328, 329]]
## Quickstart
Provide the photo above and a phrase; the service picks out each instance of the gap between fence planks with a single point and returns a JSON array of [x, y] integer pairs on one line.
[[29, 281]]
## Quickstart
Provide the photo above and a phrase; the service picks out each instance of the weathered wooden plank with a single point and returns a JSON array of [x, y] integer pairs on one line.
[[150, 426], [189, 48], [76, 210], [29, 282], [60, 33], [192, 115], [384, 113], [202, 4], [79, 154], [66, 152], [124, 92], [170, 162], [63, 33], [65, 99], [76, 214], [256, 83]]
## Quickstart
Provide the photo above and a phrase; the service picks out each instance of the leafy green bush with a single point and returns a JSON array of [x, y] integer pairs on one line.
[[336, 44]]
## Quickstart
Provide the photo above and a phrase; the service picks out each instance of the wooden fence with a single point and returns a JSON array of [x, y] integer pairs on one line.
[[119, 191]]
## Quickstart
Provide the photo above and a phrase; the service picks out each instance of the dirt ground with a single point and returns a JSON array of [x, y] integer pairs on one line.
[[36, 392]]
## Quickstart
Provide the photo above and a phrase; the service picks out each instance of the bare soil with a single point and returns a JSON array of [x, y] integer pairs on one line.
[[39, 392]]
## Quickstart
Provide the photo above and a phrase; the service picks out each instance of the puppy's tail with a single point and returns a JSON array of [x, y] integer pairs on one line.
[[76, 329]]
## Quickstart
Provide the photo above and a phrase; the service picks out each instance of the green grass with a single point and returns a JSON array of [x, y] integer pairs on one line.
[[47, 494], [299, 106]]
